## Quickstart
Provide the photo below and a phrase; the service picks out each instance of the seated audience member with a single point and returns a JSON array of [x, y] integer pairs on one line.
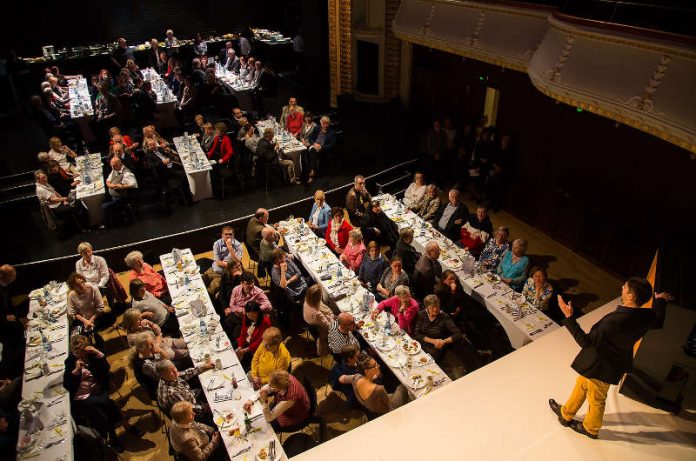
[[415, 191], [450, 218], [337, 231], [292, 106], [428, 270], [231, 61], [149, 350], [290, 403], [269, 152], [347, 366], [154, 281], [231, 277], [86, 378], [162, 314], [268, 244], [85, 304], [208, 137], [373, 396], [429, 205], [341, 332], [166, 165], [393, 276], [48, 196], [494, 249], [452, 298], [95, 271], [221, 146], [308, 128], [352, 255], [60, 153], [243, 293], [287, 276], [254, 323], [435, 330], [10, 326], [190, 439], [120, 182], [514, 264], [136, 322], [379, 227], [116, 137], [126, 155], [320, 141], [271, 355], [476, 231], [319, 316], [173, 386], [225, 249], [358, 202], [320, 215], [405, 250], [293, 122], [251, 140], [402, 306], [253, 232], [537, 289], [372, 267]]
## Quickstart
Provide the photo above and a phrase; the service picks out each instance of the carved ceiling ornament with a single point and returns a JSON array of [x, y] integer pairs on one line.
[[587, 64]]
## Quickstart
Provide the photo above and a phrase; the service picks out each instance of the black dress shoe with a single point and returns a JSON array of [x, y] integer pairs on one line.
[[578, 427], [116, 444], [135, 431], [556, 408]]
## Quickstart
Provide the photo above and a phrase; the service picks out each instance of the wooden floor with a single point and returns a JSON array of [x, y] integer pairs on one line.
[[587, 286]]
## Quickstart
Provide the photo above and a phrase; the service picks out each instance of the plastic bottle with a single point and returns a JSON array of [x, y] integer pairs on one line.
[[45, 343], [203, 328]]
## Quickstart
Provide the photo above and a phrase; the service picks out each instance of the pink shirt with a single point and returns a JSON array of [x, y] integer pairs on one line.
[[353, 255], [406, 319], [154, 282], [238, 299]]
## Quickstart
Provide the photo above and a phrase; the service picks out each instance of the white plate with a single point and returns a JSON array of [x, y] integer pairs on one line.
[[385, 345], [417, 380], [454, 263], [411, 347], [224, 345], [227, 421], [395, 360]]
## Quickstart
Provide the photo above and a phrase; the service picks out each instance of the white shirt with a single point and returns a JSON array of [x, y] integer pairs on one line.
[[61, 158], [95, 272], [414, 194], [125, 177], [244, 46], [44, 193]]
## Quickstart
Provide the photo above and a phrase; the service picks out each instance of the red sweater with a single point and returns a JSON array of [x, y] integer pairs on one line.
[[256, 336], [226, 150], [294, 124], [342, 237]]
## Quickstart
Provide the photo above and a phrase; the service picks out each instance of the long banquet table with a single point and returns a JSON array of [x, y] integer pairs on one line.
[[345, 294], [240, 87], [80, 105], [522, 322], [197, 315], [91, 186], [196, 166], [166, 100], [46, 430]]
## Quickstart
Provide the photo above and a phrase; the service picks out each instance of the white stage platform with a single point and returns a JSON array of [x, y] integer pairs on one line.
[[501, 412]]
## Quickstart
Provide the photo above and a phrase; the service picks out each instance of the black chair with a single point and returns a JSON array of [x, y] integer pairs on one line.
[[312, 418]]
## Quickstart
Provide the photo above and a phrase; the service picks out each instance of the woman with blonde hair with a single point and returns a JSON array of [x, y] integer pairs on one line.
[[271, 355], [136, 322], [352, 255]]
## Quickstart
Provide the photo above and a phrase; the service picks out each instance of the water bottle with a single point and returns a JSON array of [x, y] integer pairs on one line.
[[203, 328], [247, 422], [339, 273], [366, 301], [387, 326], [186, 279], [217, 342], [85, 149], [45, 343], [87, 177]]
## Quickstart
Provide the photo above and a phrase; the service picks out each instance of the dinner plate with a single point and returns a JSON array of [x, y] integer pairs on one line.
[[224, 345], [417, 380], [226, 420], [493, 278], [395, 360], [263, 455], [454, 263], [386, 344], [411, 347]]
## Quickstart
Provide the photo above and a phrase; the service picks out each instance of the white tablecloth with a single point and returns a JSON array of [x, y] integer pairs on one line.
[[166, 100], [196, 166], [91, 188], [241, 88], [323, 266], [522, 322], [187, 286], [54, 441], [81, 110]]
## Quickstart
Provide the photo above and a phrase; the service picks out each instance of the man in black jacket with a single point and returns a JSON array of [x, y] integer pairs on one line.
[[450, 218], [607, 351], [379, 227], [405, 250]]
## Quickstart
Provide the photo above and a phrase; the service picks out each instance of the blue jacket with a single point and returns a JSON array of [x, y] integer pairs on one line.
[[329, 139], [371, 270], [324, 217]]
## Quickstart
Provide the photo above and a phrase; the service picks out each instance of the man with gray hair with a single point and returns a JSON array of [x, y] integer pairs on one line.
[[173, 386], [450, 218], [269, 152], [320, 141], [406, 251], [428, 270], [358, 202]]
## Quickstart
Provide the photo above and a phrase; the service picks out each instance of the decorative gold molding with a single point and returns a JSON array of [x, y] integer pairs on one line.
[[512, 10], [340, 49], [462, 50], [634, 122]]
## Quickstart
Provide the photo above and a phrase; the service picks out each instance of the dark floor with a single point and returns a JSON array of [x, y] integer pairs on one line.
[[374, 139]]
